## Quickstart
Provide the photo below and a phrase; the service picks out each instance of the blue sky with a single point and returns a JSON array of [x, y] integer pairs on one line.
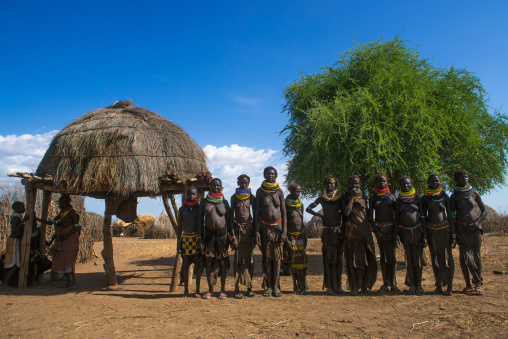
[[217, 69]]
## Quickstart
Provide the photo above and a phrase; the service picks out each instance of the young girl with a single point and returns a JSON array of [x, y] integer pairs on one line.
[[13, 246], [214, 228], [242, 202], [296, 238], [187, 239]]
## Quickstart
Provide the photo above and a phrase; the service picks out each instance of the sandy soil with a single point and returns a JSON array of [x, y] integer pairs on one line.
[[142, 306]]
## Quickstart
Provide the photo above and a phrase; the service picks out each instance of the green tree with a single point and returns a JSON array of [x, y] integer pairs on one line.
[[384, 108]]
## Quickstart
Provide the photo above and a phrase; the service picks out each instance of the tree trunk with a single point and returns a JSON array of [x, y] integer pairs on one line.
[[107, 252], [46, 200], [30, 193]]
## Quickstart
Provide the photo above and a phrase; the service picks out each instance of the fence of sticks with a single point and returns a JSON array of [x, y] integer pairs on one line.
[[91, 222]]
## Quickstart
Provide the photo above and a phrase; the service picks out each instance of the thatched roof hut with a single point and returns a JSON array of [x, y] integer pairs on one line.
[[313, 228], [118, 153], [161, 228], [123, 150]]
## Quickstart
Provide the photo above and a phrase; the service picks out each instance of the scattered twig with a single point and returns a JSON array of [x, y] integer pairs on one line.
[[413, 327], [82, 326], [280, 322]]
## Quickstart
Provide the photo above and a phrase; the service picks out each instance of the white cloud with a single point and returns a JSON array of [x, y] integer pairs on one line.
[[244, 100], [22, 153], [228, 162]]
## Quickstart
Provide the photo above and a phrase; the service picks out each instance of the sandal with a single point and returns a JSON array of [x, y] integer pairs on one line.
[[277, 294], [251, 294], [223, 296], [267, 293], [238, 295], [468, 290], [479, 291], [207, 295]]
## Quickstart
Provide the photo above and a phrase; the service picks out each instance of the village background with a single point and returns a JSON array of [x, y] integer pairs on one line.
[[218, 70]]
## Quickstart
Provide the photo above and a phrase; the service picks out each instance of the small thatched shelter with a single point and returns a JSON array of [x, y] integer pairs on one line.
[[142, 223], [313, 228], [118, 153], [123, 229], [161, 228]]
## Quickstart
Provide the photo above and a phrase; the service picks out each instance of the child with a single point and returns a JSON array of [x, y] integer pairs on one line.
[[242, 202], [13, 246], [188, 218], [296, 238], [214, 228]]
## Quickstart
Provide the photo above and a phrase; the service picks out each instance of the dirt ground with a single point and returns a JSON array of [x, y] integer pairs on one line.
[[142, 306]]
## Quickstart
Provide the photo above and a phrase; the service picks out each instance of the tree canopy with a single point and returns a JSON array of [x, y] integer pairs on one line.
[[384, 108]]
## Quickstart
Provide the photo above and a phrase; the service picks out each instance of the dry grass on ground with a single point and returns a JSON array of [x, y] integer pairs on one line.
[[142, 306]]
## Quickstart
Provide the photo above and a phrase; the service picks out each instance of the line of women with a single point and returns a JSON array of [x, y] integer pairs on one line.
[[349, 220]]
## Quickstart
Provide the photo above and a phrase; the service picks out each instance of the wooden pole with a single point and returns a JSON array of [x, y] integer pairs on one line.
[[173, 202], [46, 200], [30, 196], [178, 260], [169, 212], [107, 252]]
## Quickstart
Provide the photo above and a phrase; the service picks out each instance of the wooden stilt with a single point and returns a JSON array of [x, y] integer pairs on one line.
[[107, 252], [178, 260], [173, 202], [170, 213], [46, 200], [30, 196]]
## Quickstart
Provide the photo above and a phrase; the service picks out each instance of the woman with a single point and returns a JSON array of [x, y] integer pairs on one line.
[[382, 218], [66, 248], [214, 227], [440, 232], [360, 253], [410, 227]]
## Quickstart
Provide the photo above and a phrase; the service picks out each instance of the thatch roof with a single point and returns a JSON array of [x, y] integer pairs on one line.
[[121, 149], [313, 228], [161, 228]]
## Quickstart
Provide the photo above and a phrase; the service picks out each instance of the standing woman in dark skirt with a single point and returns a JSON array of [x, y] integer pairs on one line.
[[359, 251], [410, 228], [382, 202], [440, 232]]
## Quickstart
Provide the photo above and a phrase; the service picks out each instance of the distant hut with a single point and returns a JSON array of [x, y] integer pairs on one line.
[[123, 229], [313, 228], [161, 228], [117, 153]]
